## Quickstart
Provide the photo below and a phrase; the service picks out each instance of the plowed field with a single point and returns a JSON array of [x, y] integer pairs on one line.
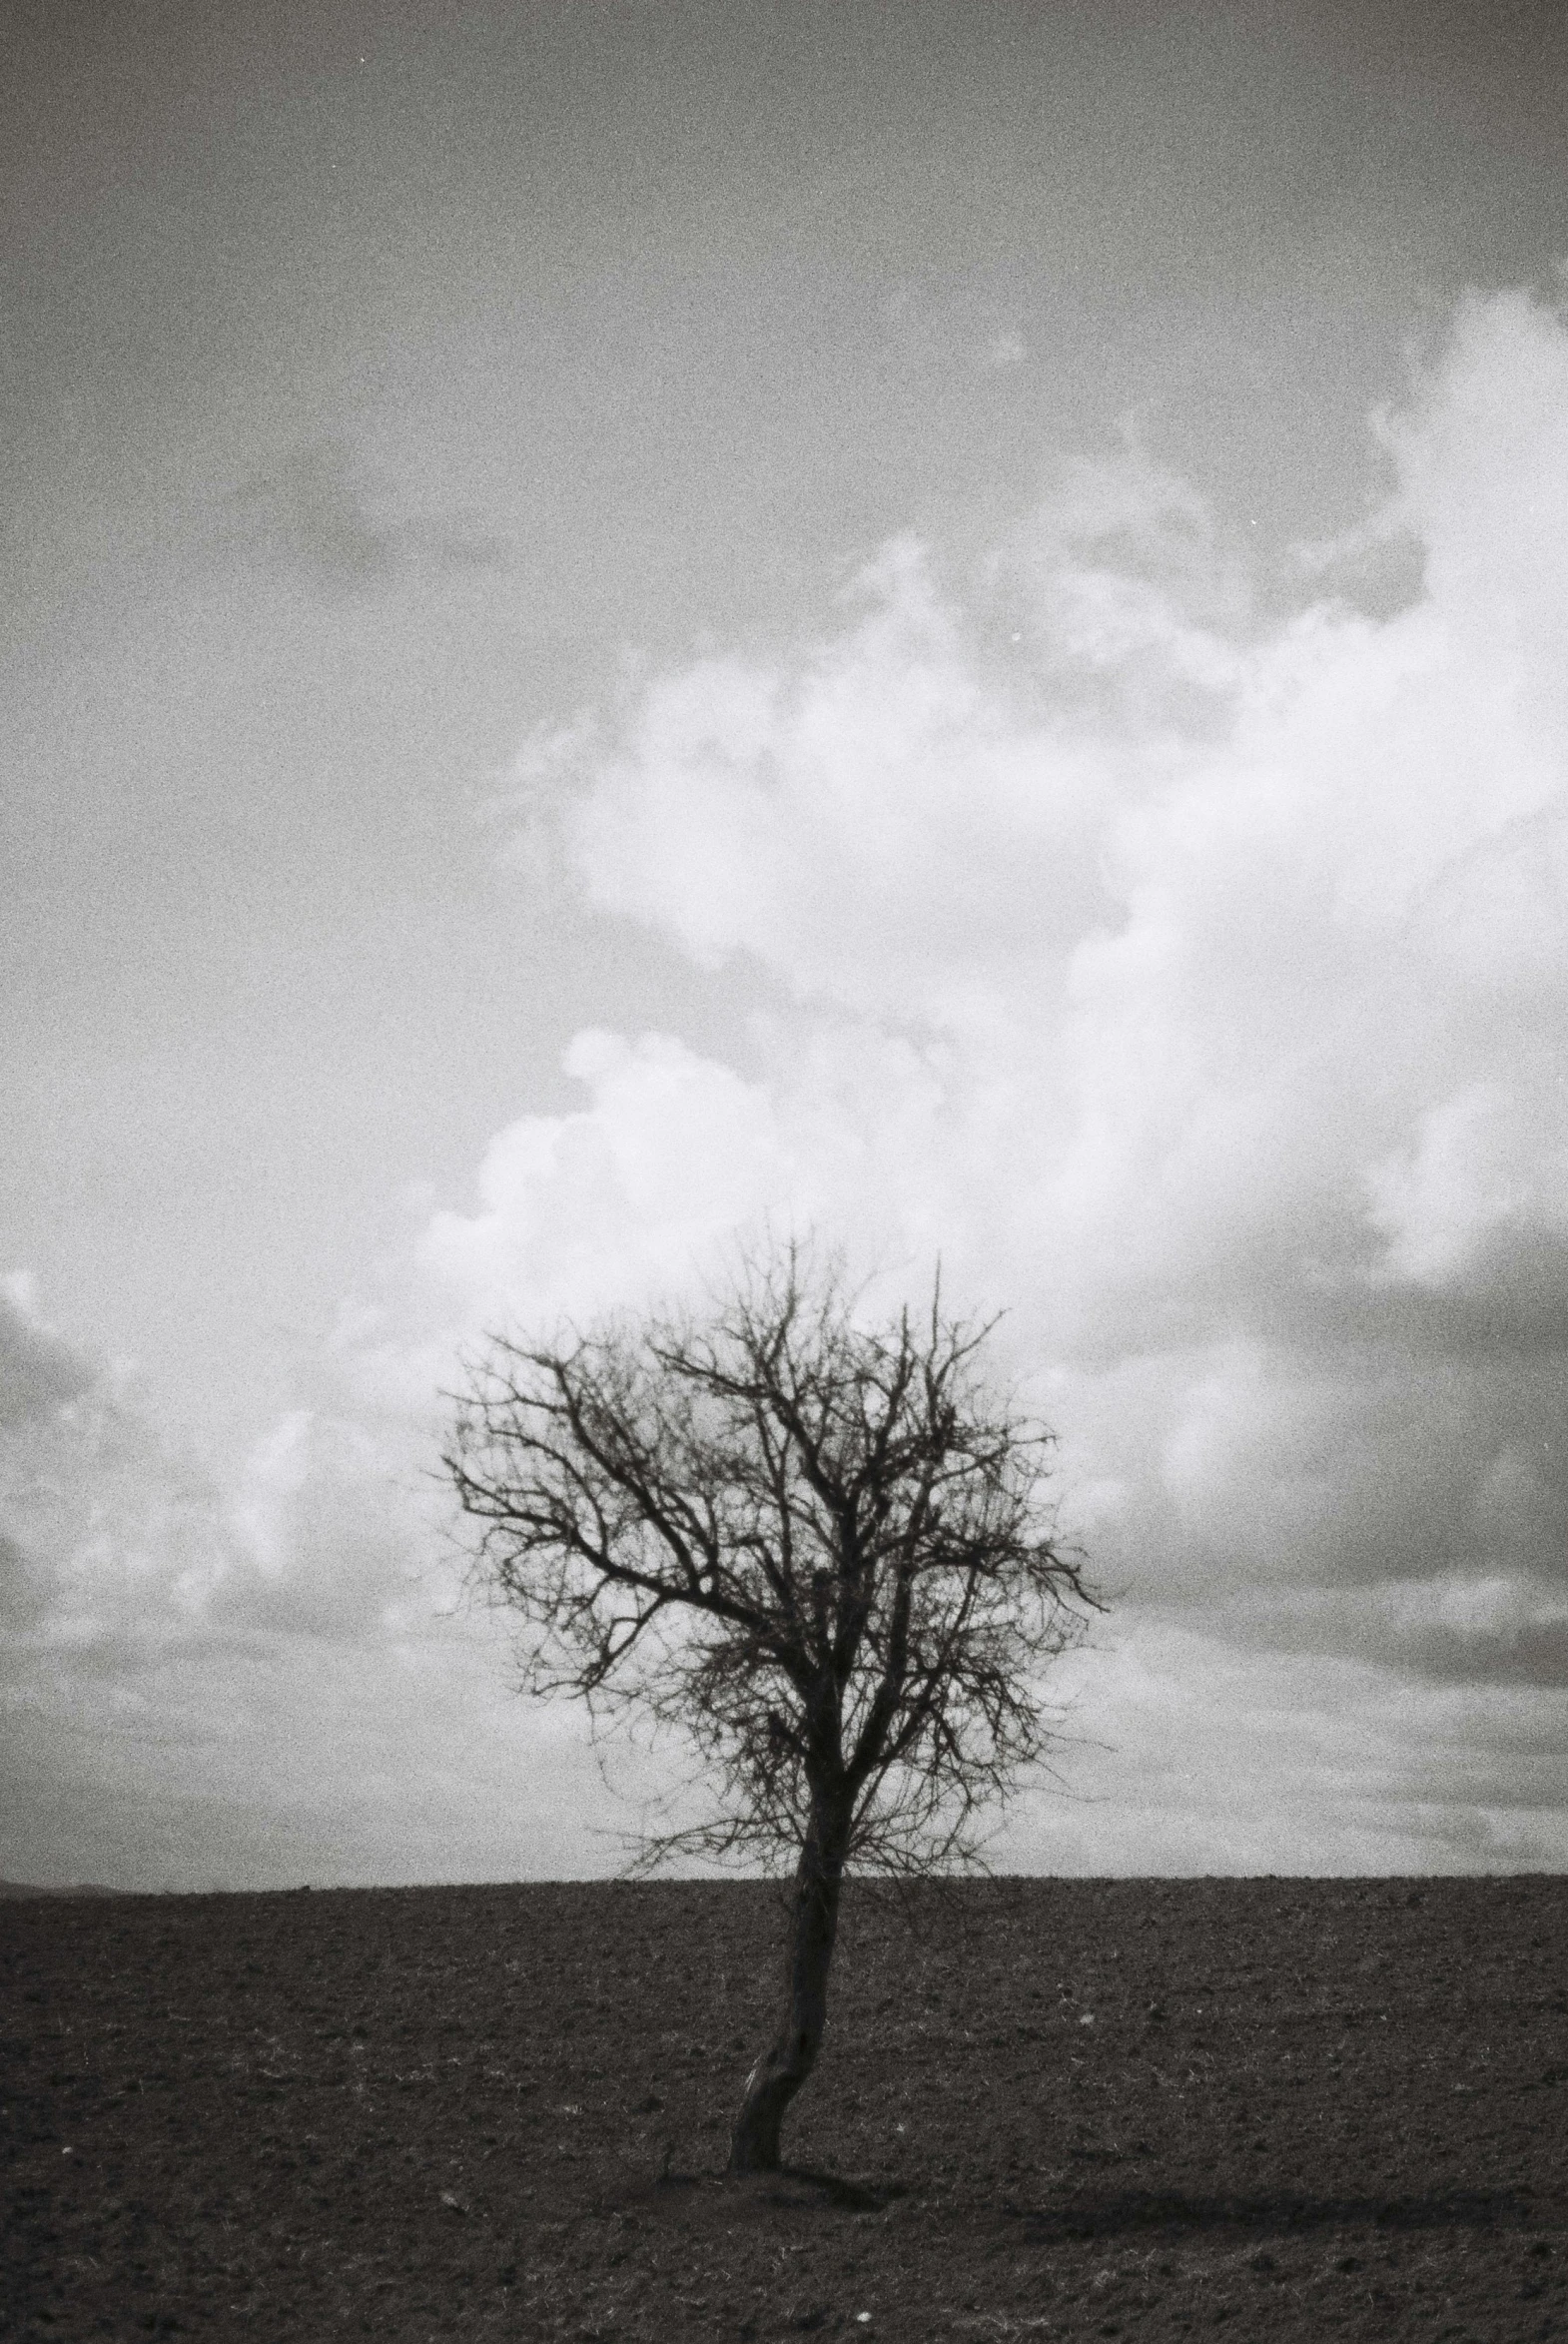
[[1282, 2110]]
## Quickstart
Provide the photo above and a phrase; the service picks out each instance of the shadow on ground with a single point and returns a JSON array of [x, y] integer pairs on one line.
[[802, 2187], [1134, 2211]]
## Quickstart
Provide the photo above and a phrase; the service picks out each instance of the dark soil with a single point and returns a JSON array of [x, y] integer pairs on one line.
[[1280, 2109]]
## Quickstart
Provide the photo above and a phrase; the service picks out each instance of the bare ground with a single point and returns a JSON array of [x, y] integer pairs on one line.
[[1279, 2110]]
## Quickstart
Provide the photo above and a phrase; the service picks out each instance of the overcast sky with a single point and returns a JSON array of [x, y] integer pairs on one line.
[[943, 621]]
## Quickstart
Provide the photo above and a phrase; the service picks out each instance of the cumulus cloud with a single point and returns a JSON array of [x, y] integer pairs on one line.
[[251, 1686], [1196, 979], [1193, 979]]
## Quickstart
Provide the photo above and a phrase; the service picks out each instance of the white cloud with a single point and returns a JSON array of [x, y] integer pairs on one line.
[[574, 1208], [1485, 1183], [254, 1690], [1200, 1756], [1269, 985], [1196, 983], [1212, 973]]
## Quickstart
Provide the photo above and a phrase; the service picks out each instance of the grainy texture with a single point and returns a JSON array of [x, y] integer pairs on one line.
[[1283, 2109]]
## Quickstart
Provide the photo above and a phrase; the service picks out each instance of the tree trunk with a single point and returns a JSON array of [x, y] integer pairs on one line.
[[784, 2068]]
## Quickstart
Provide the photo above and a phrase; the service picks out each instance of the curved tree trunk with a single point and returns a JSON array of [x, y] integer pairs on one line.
[[784, 2068]]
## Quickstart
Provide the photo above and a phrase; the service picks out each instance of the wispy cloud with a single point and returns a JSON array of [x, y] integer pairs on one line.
[[1004, 352], [321, 511]]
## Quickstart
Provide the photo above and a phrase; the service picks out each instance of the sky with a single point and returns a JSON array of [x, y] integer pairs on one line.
[[626, 622]]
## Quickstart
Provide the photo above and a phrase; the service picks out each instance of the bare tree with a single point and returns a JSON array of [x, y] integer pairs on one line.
[[821, 1549]]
